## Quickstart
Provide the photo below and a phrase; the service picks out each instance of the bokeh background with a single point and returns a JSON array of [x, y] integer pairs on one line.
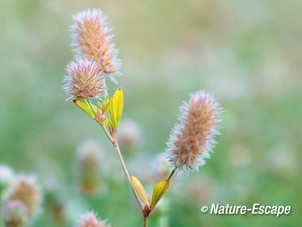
[[248, 53]]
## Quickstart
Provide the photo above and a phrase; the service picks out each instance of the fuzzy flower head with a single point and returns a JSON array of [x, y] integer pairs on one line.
[[90, 220], [15, 214], [84, 80], [192, 139], [27, 191], [91, 39]]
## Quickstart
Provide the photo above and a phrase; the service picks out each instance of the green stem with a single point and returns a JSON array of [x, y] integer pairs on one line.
[[172, 173], [117, 148], [107, 133]]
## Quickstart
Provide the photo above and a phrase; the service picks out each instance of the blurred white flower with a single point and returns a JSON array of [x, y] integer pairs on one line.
[[7, 175], [281, 161], [129, 135]]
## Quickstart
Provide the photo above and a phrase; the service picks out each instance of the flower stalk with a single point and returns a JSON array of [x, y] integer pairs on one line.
[[115, 144], [117, 148], [146, 220], [191, 140], [171, 174]]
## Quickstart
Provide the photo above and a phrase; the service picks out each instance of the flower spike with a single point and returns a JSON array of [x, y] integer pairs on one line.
[[84, 80], [91, 39], [192, 139]]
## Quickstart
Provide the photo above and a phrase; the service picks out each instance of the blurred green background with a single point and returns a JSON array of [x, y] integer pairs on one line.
[[248, 53]]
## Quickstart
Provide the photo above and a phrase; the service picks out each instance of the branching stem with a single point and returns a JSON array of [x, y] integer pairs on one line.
[[117, 148]]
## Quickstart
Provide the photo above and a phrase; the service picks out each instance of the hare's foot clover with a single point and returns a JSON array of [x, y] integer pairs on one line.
[[91, 39], [190, 141], [21, 201], [192, 138], [26, 190], [15, 214], [84, 80], [90, 220]]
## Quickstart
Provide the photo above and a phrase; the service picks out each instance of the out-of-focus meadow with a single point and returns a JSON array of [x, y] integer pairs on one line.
[[248, 53]]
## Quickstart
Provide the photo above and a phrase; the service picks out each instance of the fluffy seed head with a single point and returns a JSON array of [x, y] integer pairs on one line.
[[191, 140], [84, 80], [15, 214], [26, 190], [90, 220], [91, 39]]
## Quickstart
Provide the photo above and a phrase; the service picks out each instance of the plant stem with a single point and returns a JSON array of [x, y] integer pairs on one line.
[[107, 133], [146, 221], [117, 148], [172, 173]]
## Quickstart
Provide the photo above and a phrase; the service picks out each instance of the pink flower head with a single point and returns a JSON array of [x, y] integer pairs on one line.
[[84, 80], [15, 213], [192, 139], [90, 220], [26, 190], [91, 39]]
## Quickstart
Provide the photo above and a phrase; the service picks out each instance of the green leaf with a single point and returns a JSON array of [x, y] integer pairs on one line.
[[140, 191], [112, 113], [107, 124], [100, 106], [118, 105], [106, 103], [95, 108], [84, 107], [116, 108], [158, 191]]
